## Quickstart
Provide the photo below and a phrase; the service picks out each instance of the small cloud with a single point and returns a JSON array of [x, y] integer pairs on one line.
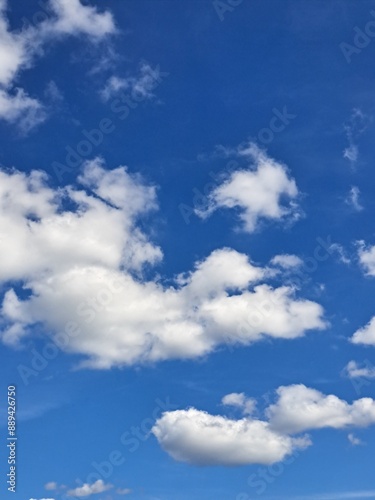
[[263, 191], [141, 85], [353, 199], [51, 486], [287, 261], [239, 400], [90, 489], [52, 92], [123, 491], [18, 107], [351, 153], [354, 127], [353, 370], [340, 252], [354, 440]]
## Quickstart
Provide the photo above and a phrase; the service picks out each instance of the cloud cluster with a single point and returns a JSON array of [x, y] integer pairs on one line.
[[19, 48], [199, 438], [80, 255], [262, 191]]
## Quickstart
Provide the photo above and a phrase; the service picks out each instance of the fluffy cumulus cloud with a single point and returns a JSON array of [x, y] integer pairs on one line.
[[18, 50], [81, 257], [366, 334], [199, 438], [299, 408], [89, 489], [262, 191]]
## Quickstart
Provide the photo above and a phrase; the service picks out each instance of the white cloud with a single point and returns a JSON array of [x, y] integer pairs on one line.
[[73, 18], [366, 334], [287, 261], [239, 400], [353, 199], [353, 370], [42, 499], [340, 251], [366, 256], [90, 489], [355, 126], [199, 438], [258, 192], [18, 50], [299, 408], [118, 317], [51, 486], [22, 109], [351, 153], [354, 440], [140, 85]]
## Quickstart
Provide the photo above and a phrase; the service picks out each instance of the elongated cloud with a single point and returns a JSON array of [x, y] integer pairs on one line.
[[83, 267], [199, 438], [300, 408], [263, 191], [355, 370]]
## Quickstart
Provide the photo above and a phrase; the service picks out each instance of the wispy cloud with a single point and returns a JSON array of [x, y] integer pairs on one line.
[[354, 127], [353, 199], [354, 440], [356, 495]]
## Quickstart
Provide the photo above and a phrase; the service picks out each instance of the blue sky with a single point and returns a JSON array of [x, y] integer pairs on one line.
[[187, 248]]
